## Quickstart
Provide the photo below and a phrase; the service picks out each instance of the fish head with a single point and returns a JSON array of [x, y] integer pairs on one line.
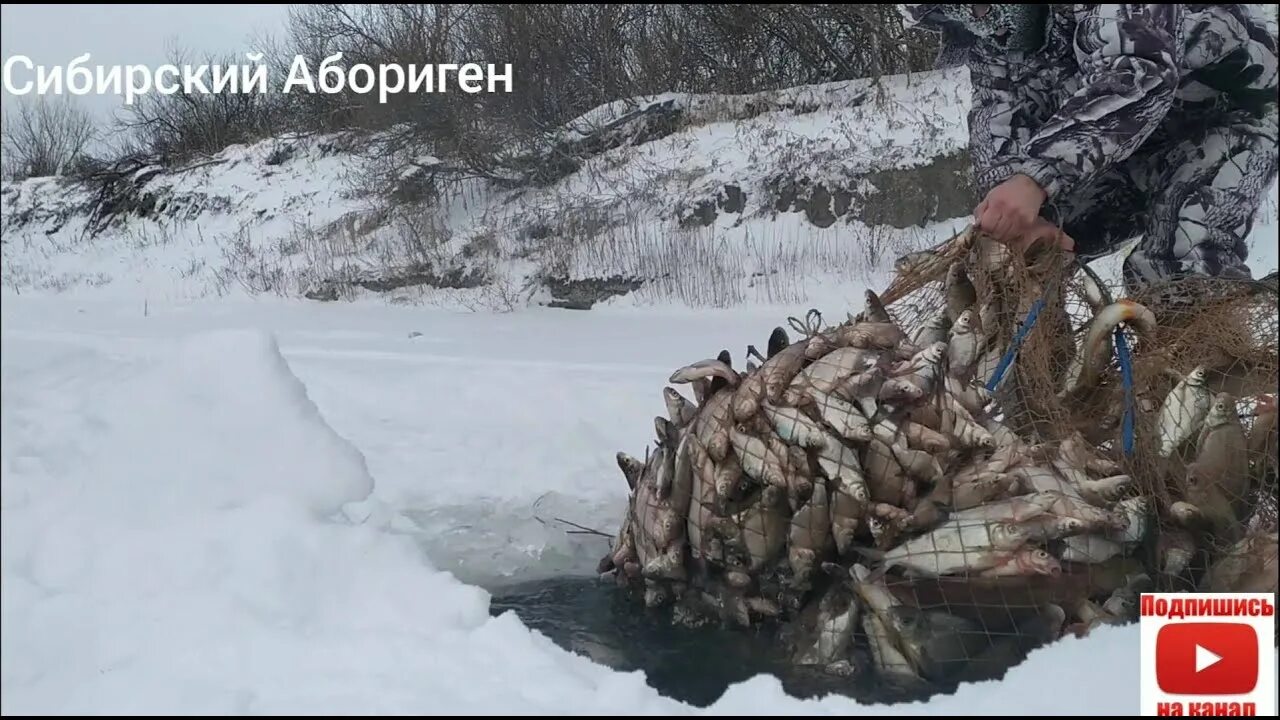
[[1007, 534], [1224, 407], [955, 273], [1073, 525], [964, 323], [1043, 563], [1183, 511], [1198, 375], [663, 429], [934, 352]]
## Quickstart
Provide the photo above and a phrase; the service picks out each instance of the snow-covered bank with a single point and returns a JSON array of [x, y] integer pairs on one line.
[[167, 479], [728, 199]]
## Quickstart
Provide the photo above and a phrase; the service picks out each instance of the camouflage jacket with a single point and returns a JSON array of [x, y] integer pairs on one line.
[[1064, 92]]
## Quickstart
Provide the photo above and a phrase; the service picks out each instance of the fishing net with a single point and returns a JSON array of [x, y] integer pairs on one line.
[[998, 450]]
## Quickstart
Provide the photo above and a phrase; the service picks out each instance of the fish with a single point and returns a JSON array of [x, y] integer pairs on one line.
[[679, 408], [1222, 452], [885, 476], [660, 523], [974, 398], [1079, 453], [1184, 411], [631, 468], [1137, 512], [712, 425], [1025, 561], [769, 381], [955, 546], [873, 335], [912, 261], [705, 370], [1123, 603], [960, 293], [1175, 547], [1250, 565], [874, 310], [916, 463], [842, 417], [921, 437], [923, 367], [810, 531], [1095, 352], [828, 373], [1089, 549], [795, 427], [963, 347], [878, 625], [832, 640], [1105, 491], [760, 531], [863, 389], [666, 433], [778, 341], [758, 461], [983, 489], [1013, 510], [937, 644], [937, 329]]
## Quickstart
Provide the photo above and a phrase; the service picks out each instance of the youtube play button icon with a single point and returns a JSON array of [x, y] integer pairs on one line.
[[1207, 658]]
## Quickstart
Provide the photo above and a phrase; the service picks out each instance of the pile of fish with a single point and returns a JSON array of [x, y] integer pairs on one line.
[[860, 484]]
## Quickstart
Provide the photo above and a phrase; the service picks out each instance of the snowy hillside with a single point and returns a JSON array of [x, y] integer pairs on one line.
[[701, 200], [218, 496]]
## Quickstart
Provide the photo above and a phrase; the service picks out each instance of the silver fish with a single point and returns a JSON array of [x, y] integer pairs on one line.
[[832, 640], [631, 468], [937, 329], [758, 461], [874, 310], [1026, 561], [679, 408], [1185, 409], [961, 295], [1105, 491], [712, 425], [1137, 512], [877, 623], [1014, 510], [1089, 549], [963, 348], [760, 531], [810, 531], [956, 546], [1222, 450], [844, 418], [1096, 351], [705, 369], [937, 644], [829, 372]]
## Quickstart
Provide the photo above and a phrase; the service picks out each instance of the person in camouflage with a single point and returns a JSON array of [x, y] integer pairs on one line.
[[1096, 124]]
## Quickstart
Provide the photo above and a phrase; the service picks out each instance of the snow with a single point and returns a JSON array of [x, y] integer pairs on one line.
[[212, 502]]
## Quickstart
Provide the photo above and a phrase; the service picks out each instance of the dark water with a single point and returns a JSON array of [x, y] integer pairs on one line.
[[693, 665]]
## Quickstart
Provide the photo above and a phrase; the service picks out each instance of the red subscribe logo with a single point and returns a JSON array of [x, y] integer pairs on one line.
[[1207, 658]]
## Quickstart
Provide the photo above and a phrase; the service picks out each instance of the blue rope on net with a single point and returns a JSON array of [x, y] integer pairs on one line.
[[1018, 337], [1126, 378]]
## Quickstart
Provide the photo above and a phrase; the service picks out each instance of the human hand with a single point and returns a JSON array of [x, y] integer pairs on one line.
[[1011, 209], [1043, 231]]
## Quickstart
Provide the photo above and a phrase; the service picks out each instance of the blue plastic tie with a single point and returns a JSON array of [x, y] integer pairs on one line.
[[1018, 337], [1126, 378]]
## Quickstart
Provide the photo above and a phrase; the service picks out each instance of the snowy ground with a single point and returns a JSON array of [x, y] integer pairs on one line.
[[204, 509]]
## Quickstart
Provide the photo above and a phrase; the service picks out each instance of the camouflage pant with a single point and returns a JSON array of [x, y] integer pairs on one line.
[[1191, 192]]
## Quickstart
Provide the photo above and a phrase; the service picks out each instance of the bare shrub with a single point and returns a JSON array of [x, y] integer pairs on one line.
[[45, 136]]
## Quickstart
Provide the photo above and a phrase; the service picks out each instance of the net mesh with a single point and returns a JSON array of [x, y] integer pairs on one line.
[[995, 452]]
